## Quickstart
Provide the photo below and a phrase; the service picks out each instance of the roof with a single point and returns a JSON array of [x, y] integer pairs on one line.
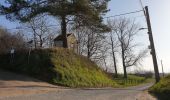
[[60, 38]]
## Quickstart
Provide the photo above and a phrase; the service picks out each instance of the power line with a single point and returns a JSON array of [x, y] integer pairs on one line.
[[124, 14], [140, 1], [128, 13], [17, 28]]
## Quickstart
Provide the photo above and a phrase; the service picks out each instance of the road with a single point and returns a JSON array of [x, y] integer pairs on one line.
[[17, 87]]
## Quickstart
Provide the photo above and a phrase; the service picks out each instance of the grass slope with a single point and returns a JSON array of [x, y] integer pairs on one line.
[[162, 88], [58, 66]]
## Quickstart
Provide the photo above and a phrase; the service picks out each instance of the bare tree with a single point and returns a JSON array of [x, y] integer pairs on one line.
[[81, 38], [10, 40], [90, 42], [126, 31], [104, 55], [41, 30], [114, 43], [94, 44]]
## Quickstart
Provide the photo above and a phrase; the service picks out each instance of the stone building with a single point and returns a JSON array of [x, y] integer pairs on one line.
[[71, 39]]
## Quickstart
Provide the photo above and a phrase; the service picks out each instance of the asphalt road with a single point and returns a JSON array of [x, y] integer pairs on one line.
[[16, 87]]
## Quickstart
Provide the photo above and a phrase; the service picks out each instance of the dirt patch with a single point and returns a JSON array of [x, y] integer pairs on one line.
[[12, 84], [8, 92], [145, 96]]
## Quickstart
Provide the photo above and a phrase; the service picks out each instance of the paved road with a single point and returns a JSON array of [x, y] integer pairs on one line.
[[59, 93]]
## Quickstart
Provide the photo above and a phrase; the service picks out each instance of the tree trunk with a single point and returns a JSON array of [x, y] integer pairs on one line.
[[41, 42], [114, 58], [88, 48], [88, 54], [124, 68], [64, 31], [123, 61], [115, 65], [35, 41]]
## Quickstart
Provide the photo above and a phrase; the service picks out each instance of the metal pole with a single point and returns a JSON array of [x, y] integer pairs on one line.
[[157, 77]]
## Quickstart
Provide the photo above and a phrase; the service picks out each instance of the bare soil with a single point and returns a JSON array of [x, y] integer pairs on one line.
[[12, 84]]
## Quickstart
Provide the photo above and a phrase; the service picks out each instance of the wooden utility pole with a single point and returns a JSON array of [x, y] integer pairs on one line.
[[157, 77], [162, 69]]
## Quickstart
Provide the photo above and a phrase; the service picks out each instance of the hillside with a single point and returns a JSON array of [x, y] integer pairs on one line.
[[58, 66]]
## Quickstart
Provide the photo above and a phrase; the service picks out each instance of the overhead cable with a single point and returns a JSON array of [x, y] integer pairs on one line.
[[125, 14]]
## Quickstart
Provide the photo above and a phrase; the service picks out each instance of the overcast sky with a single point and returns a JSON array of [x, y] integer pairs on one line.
[[160, 20]]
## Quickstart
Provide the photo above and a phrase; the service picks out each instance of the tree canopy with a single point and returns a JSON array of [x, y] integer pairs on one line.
[[84, 12]]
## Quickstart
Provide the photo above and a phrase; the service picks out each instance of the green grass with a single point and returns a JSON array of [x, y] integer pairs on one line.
[[162, 87], [132, 80], [58, 66]]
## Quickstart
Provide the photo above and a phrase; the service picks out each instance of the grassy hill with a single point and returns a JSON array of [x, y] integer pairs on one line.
[[162, 88], [58, 66]]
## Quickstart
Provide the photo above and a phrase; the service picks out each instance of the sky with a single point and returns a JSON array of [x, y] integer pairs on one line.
[[160, 20]]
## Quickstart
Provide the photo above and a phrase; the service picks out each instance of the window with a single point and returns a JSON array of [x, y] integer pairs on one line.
[[59, 43]]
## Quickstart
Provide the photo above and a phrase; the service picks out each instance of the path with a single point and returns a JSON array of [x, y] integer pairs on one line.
[[17, 87]]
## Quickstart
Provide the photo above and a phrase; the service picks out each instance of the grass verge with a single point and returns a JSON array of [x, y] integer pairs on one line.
[[161, 89], [132, 80]]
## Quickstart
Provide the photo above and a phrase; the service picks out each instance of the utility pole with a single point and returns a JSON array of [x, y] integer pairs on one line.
[[162, 69], [157, 77]]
